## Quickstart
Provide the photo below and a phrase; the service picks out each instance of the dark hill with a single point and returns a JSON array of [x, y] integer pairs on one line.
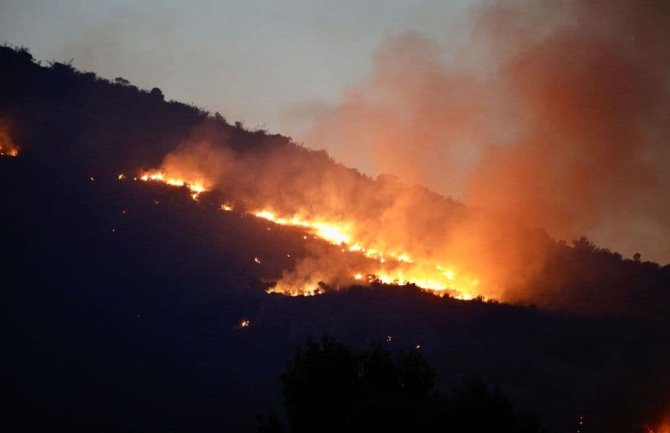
[[122, 300]]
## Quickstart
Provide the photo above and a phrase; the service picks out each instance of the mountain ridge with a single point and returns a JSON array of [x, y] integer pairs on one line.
[[126, 297]]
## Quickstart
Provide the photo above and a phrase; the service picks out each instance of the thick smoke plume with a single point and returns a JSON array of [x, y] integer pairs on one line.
[[7, 145], [556, 113], [408, 233], [555, 117]]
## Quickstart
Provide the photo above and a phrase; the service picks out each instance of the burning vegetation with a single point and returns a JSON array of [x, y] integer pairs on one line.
[[365, 251], [7, 145], [370, 230], [195, 187], [553, 112], [663, 427], [522, 127], [392, 268]]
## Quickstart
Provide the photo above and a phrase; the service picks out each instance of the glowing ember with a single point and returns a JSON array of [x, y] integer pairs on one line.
[[8, 152], [332, 232], [195, 186], [663, 427], [388, 266], [311, 287], [7, 146], [244, 323], [399, 267]]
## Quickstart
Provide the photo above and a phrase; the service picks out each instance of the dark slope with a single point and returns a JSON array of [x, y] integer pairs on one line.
[[128, 321], [78, 121], [74, 122]]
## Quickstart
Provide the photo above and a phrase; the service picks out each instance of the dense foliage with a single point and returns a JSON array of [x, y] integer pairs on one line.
[[329, 387]]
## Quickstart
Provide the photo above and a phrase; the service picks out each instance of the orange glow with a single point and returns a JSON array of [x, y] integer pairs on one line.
[[367, 254], [394, 268], [8, 152], [310, 287], [196, 186], [663, 427], [335, 233], [435, 281], [244, 323], [7, 146], [391, 267]]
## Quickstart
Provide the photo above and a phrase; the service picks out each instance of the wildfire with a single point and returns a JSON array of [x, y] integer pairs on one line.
[[13, 152], [244, 323], [331, 232], [664, 427], [196, 187], [394, 267], [7, 146], [382, 265], [310, 287]]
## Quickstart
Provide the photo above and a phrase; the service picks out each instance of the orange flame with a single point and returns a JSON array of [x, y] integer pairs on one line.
[[196, 187], [9, 152], [385, 266], [335, 233], [7, 146], [309, 287], [244, 323], [402, 269], [663, 427]]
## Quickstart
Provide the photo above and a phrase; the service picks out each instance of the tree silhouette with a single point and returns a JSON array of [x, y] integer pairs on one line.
[[157, 93], [329, 387], [320, 386]]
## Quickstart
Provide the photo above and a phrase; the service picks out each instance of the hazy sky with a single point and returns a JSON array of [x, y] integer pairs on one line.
[[249, 60], [256, 61]]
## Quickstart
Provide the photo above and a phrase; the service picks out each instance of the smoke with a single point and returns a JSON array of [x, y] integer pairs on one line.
[[555, 113], [396, 231], [554, 117], [7, 145]]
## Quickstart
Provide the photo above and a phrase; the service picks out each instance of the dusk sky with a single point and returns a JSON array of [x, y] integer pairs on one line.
[[414, 89], [251, 61], [320, 216]]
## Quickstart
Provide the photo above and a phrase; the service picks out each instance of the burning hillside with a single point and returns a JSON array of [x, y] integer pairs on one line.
[[390, 267], [7, 146], [523, 127], [662, 427], [379, 229], [173, 266], [555, 112], [384, 230]]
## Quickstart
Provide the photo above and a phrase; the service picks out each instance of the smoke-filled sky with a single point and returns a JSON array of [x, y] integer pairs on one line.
[[553, 112], [556, 113]]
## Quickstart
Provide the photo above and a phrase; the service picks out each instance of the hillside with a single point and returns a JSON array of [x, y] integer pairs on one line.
[[124, 300]]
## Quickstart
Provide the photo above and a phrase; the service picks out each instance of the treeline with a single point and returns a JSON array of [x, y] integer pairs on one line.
[[329, 387], [582, 277], [80, 121], [71, 121]]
